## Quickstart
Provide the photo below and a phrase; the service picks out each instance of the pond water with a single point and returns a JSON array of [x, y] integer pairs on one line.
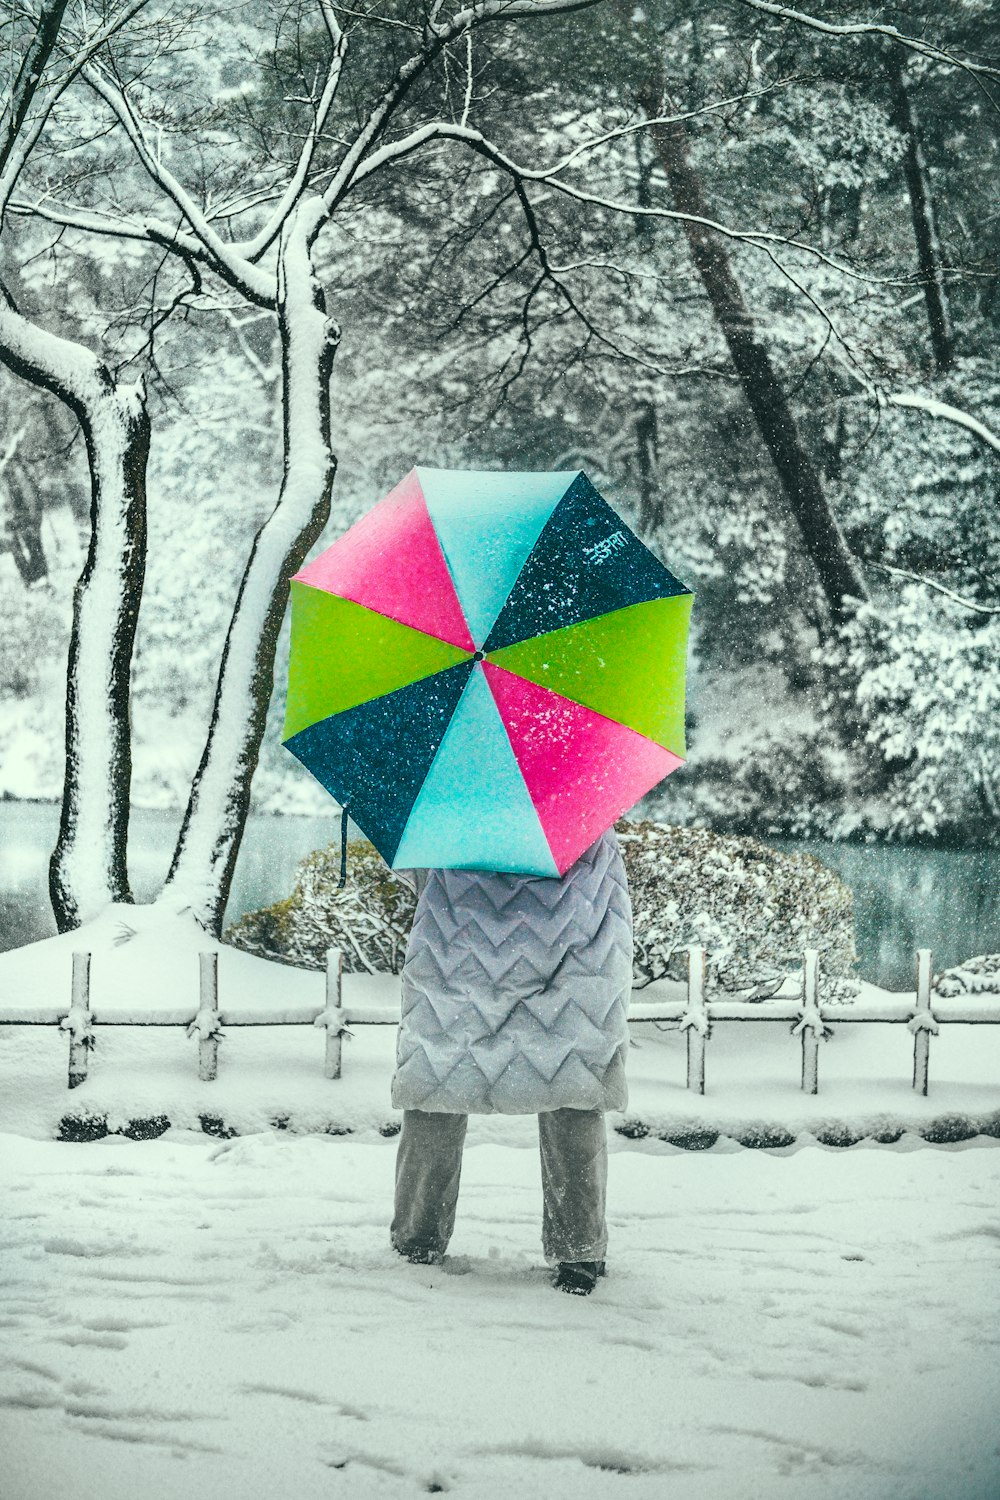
[[904, 896], [907, 897], [265, 870]]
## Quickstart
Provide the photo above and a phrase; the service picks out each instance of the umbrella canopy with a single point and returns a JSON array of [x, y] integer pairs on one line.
[[488, 669]]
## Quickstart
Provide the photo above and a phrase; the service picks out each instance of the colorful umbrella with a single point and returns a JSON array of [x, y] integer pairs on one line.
[[488, 670]]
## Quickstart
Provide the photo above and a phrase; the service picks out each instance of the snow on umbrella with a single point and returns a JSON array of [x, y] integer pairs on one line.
[[488, 670]]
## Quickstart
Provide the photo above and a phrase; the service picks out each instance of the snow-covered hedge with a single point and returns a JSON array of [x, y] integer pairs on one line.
[[369, 920], [976, 976], [752, 908]]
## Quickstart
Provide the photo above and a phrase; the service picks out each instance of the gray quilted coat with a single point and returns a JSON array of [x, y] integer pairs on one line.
[[515, 990]]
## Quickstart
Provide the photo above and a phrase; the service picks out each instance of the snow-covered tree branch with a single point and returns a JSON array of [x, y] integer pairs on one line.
[[202, 867], [274, 268], [33, 94], [947, 413], [851, 30]]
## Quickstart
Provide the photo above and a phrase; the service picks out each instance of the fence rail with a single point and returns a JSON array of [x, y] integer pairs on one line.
[[694, 1015]]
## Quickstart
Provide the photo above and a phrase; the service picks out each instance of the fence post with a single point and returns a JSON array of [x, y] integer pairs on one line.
[[810, 1024], [78, 1021], [695, 1019], [922, 1023], [206, 1023], [332, 1016]]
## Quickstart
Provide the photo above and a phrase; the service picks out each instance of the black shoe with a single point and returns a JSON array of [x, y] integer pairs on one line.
[[578, 1277], [420, 1255]]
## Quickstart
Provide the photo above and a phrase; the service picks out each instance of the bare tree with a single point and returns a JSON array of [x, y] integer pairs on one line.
[[276, 269], [278, 264], [88, 866], [922, 46]]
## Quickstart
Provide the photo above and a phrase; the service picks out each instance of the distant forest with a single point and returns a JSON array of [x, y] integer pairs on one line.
[[738, 261]]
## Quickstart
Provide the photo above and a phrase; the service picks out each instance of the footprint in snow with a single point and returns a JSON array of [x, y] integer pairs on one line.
[[85, 1338], [309, 1398]]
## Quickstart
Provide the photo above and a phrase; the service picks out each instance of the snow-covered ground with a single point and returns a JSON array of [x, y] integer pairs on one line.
[[188, 1317], [223, 1318]]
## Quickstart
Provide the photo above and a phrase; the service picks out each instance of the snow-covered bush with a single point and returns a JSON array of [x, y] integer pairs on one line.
[[914, 676], [369, 919], [923, 689], [752, 908], [976, 976]]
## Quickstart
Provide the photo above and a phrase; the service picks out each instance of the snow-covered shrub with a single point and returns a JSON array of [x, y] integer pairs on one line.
[[754, 910], [369, 919], [915, 674], [976, 976], [921, 684]]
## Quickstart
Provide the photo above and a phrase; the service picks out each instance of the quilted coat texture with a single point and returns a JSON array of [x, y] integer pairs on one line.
[[516, 989]]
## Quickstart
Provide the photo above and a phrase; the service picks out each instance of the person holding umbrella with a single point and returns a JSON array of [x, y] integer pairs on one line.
[[488, 670], [515, 996]]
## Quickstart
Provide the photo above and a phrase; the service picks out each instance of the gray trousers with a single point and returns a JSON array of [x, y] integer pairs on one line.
[[574, 1151]]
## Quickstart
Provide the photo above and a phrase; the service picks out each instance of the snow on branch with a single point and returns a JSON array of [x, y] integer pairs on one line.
[[438, 36], [100, 221], [873, 28], [445, 131], [255, 248], [932, 583], [237, 262], [203, 861], [19, 137], [90, 45], [621, 132], [67, 369], [510, 10], [949, 414], [29, 75], [256, 285]]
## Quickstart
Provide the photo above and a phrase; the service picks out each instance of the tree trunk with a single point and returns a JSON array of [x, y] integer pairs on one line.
[[929, 258], [88, 865], [839, 577], [647, 462], [25, 525], [201, 872]]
